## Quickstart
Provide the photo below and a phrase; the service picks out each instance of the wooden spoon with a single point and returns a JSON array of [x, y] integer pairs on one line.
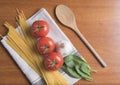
[[67, 18]]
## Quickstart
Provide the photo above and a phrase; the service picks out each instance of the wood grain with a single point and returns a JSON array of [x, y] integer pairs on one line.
[[99, 22]]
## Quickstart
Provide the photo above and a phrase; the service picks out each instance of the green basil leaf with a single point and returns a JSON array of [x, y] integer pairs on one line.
[[85, 69], [70, 64], [84, 75], [73, 73], [68, 58]]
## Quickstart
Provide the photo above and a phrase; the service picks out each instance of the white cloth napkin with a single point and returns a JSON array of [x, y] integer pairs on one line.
[[55, 33], [32, 76]]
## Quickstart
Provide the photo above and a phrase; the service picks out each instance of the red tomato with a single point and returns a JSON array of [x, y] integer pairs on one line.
[[45, 45], [53, 61], [40, 28]]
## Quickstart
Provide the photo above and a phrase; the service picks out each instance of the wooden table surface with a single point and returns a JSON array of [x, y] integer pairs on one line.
[[99, 22]]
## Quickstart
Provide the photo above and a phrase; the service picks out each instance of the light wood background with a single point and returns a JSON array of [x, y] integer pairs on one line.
[[98, 20]]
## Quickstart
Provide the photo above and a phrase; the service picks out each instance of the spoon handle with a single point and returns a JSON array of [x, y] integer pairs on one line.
[[97, 56]]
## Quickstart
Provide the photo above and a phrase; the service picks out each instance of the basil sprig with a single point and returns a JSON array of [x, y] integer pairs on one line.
[[75, 67]]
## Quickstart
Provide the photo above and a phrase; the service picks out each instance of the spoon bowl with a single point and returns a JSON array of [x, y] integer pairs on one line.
[[67, 18]]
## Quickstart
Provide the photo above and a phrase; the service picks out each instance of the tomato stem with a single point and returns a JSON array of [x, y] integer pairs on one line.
[[52, 63]]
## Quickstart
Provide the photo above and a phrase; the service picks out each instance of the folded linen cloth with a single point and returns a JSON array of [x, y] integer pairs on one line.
[[55, 33], [32, 76]]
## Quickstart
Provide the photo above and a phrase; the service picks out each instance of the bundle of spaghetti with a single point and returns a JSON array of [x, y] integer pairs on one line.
[[21, 21], [17, 43], [27, 50], [30, 40]]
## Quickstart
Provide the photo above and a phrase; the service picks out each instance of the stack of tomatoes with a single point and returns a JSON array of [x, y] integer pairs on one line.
[[46, 46]]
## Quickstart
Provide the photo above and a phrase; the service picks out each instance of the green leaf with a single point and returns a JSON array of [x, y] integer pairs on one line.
[[68, 58], [81, 73], [71, 72], [70, 64], [64, 67], [75, 67], [85, 69]]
